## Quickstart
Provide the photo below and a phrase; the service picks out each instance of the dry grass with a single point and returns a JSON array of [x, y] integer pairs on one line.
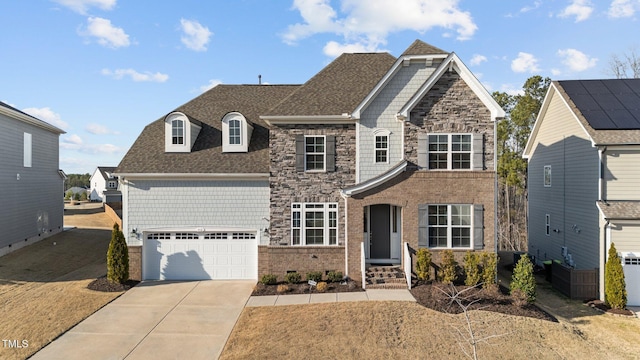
[[383, 330], [43, 288]]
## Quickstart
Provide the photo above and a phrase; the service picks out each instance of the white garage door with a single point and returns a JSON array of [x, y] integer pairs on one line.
[[199, 256], [631, 267]]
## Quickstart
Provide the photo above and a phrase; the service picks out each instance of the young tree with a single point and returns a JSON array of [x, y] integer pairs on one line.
[[615, 288], [523, 279], [117, 257], [627, 66]]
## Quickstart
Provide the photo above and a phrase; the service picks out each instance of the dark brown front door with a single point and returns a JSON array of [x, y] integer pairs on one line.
[[379, 235]]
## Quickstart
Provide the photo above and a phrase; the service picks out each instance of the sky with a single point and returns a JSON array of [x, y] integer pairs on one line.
[[102, 70]]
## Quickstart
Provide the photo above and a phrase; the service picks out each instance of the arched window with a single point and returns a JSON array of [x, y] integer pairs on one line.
[[177, 132], [234, 132]]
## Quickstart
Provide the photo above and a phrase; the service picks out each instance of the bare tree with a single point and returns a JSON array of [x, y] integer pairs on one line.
[[626, 66]]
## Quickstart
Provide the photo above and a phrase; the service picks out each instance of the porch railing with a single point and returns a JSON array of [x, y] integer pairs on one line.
[[363, 268], [408, 263]]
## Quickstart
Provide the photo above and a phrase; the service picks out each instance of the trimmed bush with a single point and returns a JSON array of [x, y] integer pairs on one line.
[[523, 279], [489, 269], [282, 288], [268, 279], [293, 278], [423, 264], [83, 196], [76, 196], [117, 257], [472, 268], [322, 286], [314, 275], [334, 276], [448, 274], [68, 195], [615, 288]]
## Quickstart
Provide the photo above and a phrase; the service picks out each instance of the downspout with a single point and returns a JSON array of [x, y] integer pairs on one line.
[[601, 152], [603, 259], [346, 235], [564, 192], [495, 191]]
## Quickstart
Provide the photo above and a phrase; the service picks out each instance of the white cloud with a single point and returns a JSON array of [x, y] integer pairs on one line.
[[98, 129], [81, 6], [71, 140], [536, 4], [511, 90], [46, 114], [623, 8], [581, 9], [576, 60], [212, 83], [365, 24], [136, 76], [196, 37], [556, 72], [525, 62], [75, 143], [334, 49], [477, 59], [105, 33]]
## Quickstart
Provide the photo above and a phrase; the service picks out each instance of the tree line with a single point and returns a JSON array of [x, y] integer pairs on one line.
[[79, 180]]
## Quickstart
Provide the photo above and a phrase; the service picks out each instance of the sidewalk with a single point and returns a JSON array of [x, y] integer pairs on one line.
[[316, 298]]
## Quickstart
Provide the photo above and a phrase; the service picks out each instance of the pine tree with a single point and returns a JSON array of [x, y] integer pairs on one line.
[[615, 289], [117, 257], [523, 279]]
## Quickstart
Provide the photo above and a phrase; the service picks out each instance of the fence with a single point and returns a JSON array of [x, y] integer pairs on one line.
[[113, 215], [576, 284]]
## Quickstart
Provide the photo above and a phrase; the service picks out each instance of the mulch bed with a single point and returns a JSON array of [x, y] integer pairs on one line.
[[304, 288], [104, 285], [602, 306], [436, 296]]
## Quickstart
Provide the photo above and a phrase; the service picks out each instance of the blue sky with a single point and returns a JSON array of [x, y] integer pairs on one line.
[[103, 69]]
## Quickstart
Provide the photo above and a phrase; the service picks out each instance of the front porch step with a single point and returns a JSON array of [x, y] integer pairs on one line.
[[385, 277]]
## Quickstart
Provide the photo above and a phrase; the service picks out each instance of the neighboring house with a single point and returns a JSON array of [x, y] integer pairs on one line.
[[372, 152], [584, 177], [104, 185], [31, 184]]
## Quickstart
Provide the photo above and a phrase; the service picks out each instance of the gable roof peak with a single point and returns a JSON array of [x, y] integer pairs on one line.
[[420, 47]]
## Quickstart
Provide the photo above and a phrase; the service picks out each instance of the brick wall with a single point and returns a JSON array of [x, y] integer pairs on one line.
[[135, 263], [278, 260], [413, 188]]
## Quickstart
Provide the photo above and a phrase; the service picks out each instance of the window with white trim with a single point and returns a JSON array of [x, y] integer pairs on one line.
[[234, 132], [547, 224], [450, 151], [450, 226], [28, 150], [382, 148], [547, 176], [177, 132], [314, 224], [314, 153]]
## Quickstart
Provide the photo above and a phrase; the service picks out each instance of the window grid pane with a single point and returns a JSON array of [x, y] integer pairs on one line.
[[316, 225], [450, 226], [234, 132], [177, 132], [314, 152]]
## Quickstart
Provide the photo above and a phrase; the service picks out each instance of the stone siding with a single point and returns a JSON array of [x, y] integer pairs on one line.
[[450, 107], [289, 186], [413, 188], [135, 263], [277, 260]]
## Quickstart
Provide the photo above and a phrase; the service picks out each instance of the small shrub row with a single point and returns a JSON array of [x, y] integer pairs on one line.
[[479, 267], [295, 277]]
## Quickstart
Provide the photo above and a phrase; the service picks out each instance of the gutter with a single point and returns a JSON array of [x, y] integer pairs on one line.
[[195, 176], [344, 118]]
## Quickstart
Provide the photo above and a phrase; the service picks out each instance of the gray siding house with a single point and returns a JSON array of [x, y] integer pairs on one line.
[[372, 156], [584, 177], [31, 184]]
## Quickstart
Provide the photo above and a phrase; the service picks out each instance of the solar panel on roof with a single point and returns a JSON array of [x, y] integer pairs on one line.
[[585, 102], [617, 87], [608, 101], [633, 84], [595, 87], [573, 87], [599, 120], [623, 119], [630, 101]]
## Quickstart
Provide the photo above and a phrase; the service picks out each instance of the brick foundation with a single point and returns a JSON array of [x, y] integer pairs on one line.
[[277, 260], [135, 263]]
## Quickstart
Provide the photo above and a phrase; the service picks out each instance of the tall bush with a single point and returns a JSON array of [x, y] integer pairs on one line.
[[448, 274], [472, 268], [489, 269], [117, 257], [423, 264], [523, 279], [615, 288]]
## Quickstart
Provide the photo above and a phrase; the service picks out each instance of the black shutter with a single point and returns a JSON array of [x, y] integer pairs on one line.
[[423, 151], [299, 152], [478, 227], [478, 152], [423, 226], [331, 153]]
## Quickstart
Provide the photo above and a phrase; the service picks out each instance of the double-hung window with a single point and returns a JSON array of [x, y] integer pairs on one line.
[[234, 132], [382, 148], [450, 151], [314, 154], [450, 226], [314, 224], [547, 176], [177, 132]]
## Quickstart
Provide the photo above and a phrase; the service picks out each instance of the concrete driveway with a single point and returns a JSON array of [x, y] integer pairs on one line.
[[158, 320]]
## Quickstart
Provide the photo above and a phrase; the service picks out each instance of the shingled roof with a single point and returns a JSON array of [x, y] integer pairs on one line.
[[609, 110], [338, 88], [420, 47], [147, 154]]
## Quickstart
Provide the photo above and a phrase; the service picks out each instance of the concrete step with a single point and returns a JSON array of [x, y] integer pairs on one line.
[[385, 277]]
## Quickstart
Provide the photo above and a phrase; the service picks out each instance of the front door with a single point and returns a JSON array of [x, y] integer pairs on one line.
[[380, 246]]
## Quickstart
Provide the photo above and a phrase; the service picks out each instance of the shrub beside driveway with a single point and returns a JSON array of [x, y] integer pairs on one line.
[[43, 289]]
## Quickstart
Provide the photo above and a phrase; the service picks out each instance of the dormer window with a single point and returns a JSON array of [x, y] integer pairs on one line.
[[180, 133], [236, 133]]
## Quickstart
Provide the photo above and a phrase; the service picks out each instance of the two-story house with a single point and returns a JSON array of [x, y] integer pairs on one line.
[[337, 173], [31, 184], [583, 177], [104, 185]]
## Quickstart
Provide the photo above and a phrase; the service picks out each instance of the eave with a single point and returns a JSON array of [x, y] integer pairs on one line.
[[194, 176], [308, 119], [376, 181]]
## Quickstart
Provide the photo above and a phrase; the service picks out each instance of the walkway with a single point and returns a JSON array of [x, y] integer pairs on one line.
[[316, 298]]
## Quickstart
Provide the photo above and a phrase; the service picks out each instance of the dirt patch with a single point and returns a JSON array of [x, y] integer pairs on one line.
[[104, 285], [304, 288], [43, 288], [87, 215], [438, 297]]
